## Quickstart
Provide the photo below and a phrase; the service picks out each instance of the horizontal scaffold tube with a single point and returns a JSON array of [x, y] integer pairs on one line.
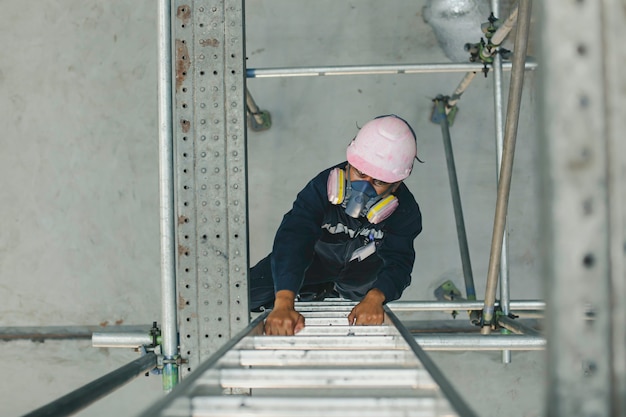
[[480, 342], [372, 69], [461, 305], [42, 333], [127, 340]]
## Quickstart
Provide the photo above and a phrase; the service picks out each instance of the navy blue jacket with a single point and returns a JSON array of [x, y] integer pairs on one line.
[[316, 241]]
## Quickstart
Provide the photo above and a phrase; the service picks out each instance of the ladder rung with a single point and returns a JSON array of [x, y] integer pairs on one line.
[[313, 378], [322, 342], [331, 391], [327, 304], [326, 314], [346, 330], [362, 358], [320, 407], [329, 369], [331, 309], [326, 321]]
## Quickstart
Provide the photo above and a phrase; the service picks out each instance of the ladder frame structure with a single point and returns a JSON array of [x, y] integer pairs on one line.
[[328, 369]]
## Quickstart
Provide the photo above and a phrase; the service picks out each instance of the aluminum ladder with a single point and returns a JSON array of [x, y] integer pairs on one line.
[[329, 369]]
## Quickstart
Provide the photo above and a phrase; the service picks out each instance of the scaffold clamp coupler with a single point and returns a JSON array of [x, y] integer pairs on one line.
[[155, 333], [484, 51], [159, 365], [489, 27], [176, 360], [492, 322]]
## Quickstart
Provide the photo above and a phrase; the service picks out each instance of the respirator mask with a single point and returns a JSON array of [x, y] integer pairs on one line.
[[359, 198]]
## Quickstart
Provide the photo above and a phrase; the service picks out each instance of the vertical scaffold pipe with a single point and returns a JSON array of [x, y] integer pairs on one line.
[[440, 117], [166, 195], [497, 96], [508, 153]]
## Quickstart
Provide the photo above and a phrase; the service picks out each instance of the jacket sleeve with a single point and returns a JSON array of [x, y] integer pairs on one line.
[[295, 239], [396, 249]]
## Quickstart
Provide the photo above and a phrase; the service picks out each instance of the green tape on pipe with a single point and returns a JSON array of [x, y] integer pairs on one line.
[[170, 376]]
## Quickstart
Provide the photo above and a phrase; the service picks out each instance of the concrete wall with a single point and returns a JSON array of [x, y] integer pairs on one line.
[[79, 189], [79, 179]]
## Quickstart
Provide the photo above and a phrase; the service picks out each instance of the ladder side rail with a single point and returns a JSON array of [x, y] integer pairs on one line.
[[184, 387], [457, 402]]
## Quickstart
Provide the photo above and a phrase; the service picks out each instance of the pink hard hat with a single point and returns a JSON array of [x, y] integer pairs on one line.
[[384, 149]]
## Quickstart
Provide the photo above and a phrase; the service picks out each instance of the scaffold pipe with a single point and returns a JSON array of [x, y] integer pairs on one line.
[[499, 127], [166, 197], [255, 326], [456, 203], [95, 390], [449, 342], [123, 340], [504, 184], [372, 69], [528, 305]]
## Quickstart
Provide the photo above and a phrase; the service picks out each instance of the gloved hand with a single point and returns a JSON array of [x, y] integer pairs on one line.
[[370, 310], [284, 320]]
